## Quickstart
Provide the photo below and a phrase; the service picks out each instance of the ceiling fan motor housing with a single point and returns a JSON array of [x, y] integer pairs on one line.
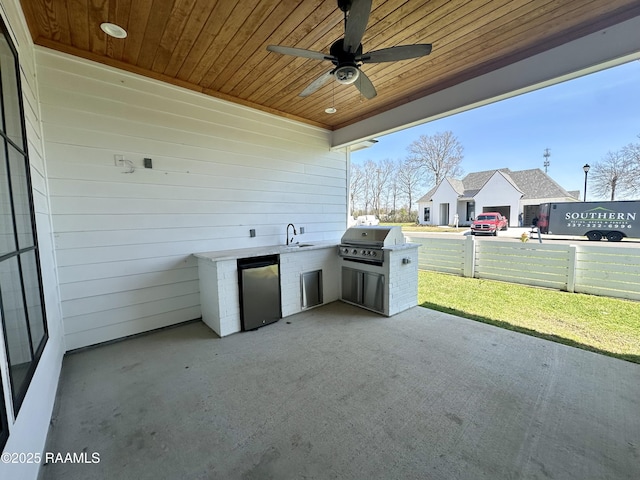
[[344, 5], [347, 70]]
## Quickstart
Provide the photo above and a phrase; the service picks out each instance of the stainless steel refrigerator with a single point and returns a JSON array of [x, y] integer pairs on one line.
[[259, 279]]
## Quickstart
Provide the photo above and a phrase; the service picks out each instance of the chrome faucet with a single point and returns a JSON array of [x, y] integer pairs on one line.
[[294, 232]]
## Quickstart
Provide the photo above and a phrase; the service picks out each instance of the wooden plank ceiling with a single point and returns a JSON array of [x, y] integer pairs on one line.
[[219, 47]]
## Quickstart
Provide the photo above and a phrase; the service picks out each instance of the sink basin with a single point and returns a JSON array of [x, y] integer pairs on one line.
[[300, 245]]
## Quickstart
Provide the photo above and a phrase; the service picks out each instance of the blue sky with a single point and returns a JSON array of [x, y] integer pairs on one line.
[[579, 121]]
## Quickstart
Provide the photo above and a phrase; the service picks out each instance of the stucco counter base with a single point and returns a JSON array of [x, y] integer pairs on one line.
[[219, 289]]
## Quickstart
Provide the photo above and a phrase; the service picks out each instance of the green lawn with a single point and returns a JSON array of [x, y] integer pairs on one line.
[[600, 324]]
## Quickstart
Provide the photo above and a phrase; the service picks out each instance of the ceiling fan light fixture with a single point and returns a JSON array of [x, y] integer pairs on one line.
[[113, 30], [330, 110], [347, 54], [347, 74]]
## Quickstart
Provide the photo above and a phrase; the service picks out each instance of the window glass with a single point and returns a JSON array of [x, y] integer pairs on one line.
[[15, 324], [4, 424], [10, 99], [7, 237], [24, 328], [20, 190], [32, 297]]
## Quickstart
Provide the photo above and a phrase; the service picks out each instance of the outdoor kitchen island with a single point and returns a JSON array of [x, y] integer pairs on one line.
[[315, 274], [220, 292]]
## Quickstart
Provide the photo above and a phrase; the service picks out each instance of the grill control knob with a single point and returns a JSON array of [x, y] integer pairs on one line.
[[355, 252]]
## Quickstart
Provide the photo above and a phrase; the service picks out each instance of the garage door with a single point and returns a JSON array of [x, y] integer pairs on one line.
[[504, 210]]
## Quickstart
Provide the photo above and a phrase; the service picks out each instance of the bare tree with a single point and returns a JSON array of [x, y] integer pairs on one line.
[[613, 176], [383, 173], [632, 155], [394, 192], [356, 187], [369, 185], [438, 155], [410, 178]]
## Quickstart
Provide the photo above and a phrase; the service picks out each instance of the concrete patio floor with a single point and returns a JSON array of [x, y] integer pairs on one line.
[[341, 393]]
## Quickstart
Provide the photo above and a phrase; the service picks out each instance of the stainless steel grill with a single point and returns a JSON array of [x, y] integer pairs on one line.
[[366, 244]]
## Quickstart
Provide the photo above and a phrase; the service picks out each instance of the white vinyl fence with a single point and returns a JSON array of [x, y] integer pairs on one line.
[[612, 271]]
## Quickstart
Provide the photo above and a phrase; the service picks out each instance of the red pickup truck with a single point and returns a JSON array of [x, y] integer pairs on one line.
[[489, 223]]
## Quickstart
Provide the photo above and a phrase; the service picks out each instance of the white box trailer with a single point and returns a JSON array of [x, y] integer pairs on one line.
[[595, 220], [367, 220]]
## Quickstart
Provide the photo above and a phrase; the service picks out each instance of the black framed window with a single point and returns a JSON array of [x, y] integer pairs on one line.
[[22, 313]]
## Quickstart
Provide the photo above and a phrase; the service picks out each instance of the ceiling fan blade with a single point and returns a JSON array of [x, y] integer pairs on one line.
[[299, 52], [365, 86], [356, 24], [316, 84], [392, 54]]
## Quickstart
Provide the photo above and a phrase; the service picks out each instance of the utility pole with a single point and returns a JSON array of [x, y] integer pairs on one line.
[[546, 156]]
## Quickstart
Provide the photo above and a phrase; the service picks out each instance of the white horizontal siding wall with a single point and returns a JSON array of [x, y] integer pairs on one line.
[[28, 431], [124, 240]]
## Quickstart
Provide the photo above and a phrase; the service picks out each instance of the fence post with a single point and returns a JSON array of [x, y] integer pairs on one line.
[[469, 256], [571, 274]]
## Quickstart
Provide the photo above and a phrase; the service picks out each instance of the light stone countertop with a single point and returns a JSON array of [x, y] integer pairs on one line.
[[235, 254], [402, 246]]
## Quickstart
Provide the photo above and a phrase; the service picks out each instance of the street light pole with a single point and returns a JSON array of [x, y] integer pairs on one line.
[[586, 171]]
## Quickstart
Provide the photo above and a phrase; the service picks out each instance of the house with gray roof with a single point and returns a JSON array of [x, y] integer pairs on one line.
[[509, 192]]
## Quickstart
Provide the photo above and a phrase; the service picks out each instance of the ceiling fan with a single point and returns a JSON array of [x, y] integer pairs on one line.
[[346, 53]]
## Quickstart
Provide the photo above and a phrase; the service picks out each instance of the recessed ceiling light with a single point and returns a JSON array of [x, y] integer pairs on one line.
[[330, 110], [113, 30]]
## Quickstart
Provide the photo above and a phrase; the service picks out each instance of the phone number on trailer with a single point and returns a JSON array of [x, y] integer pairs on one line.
[[596, 225]]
